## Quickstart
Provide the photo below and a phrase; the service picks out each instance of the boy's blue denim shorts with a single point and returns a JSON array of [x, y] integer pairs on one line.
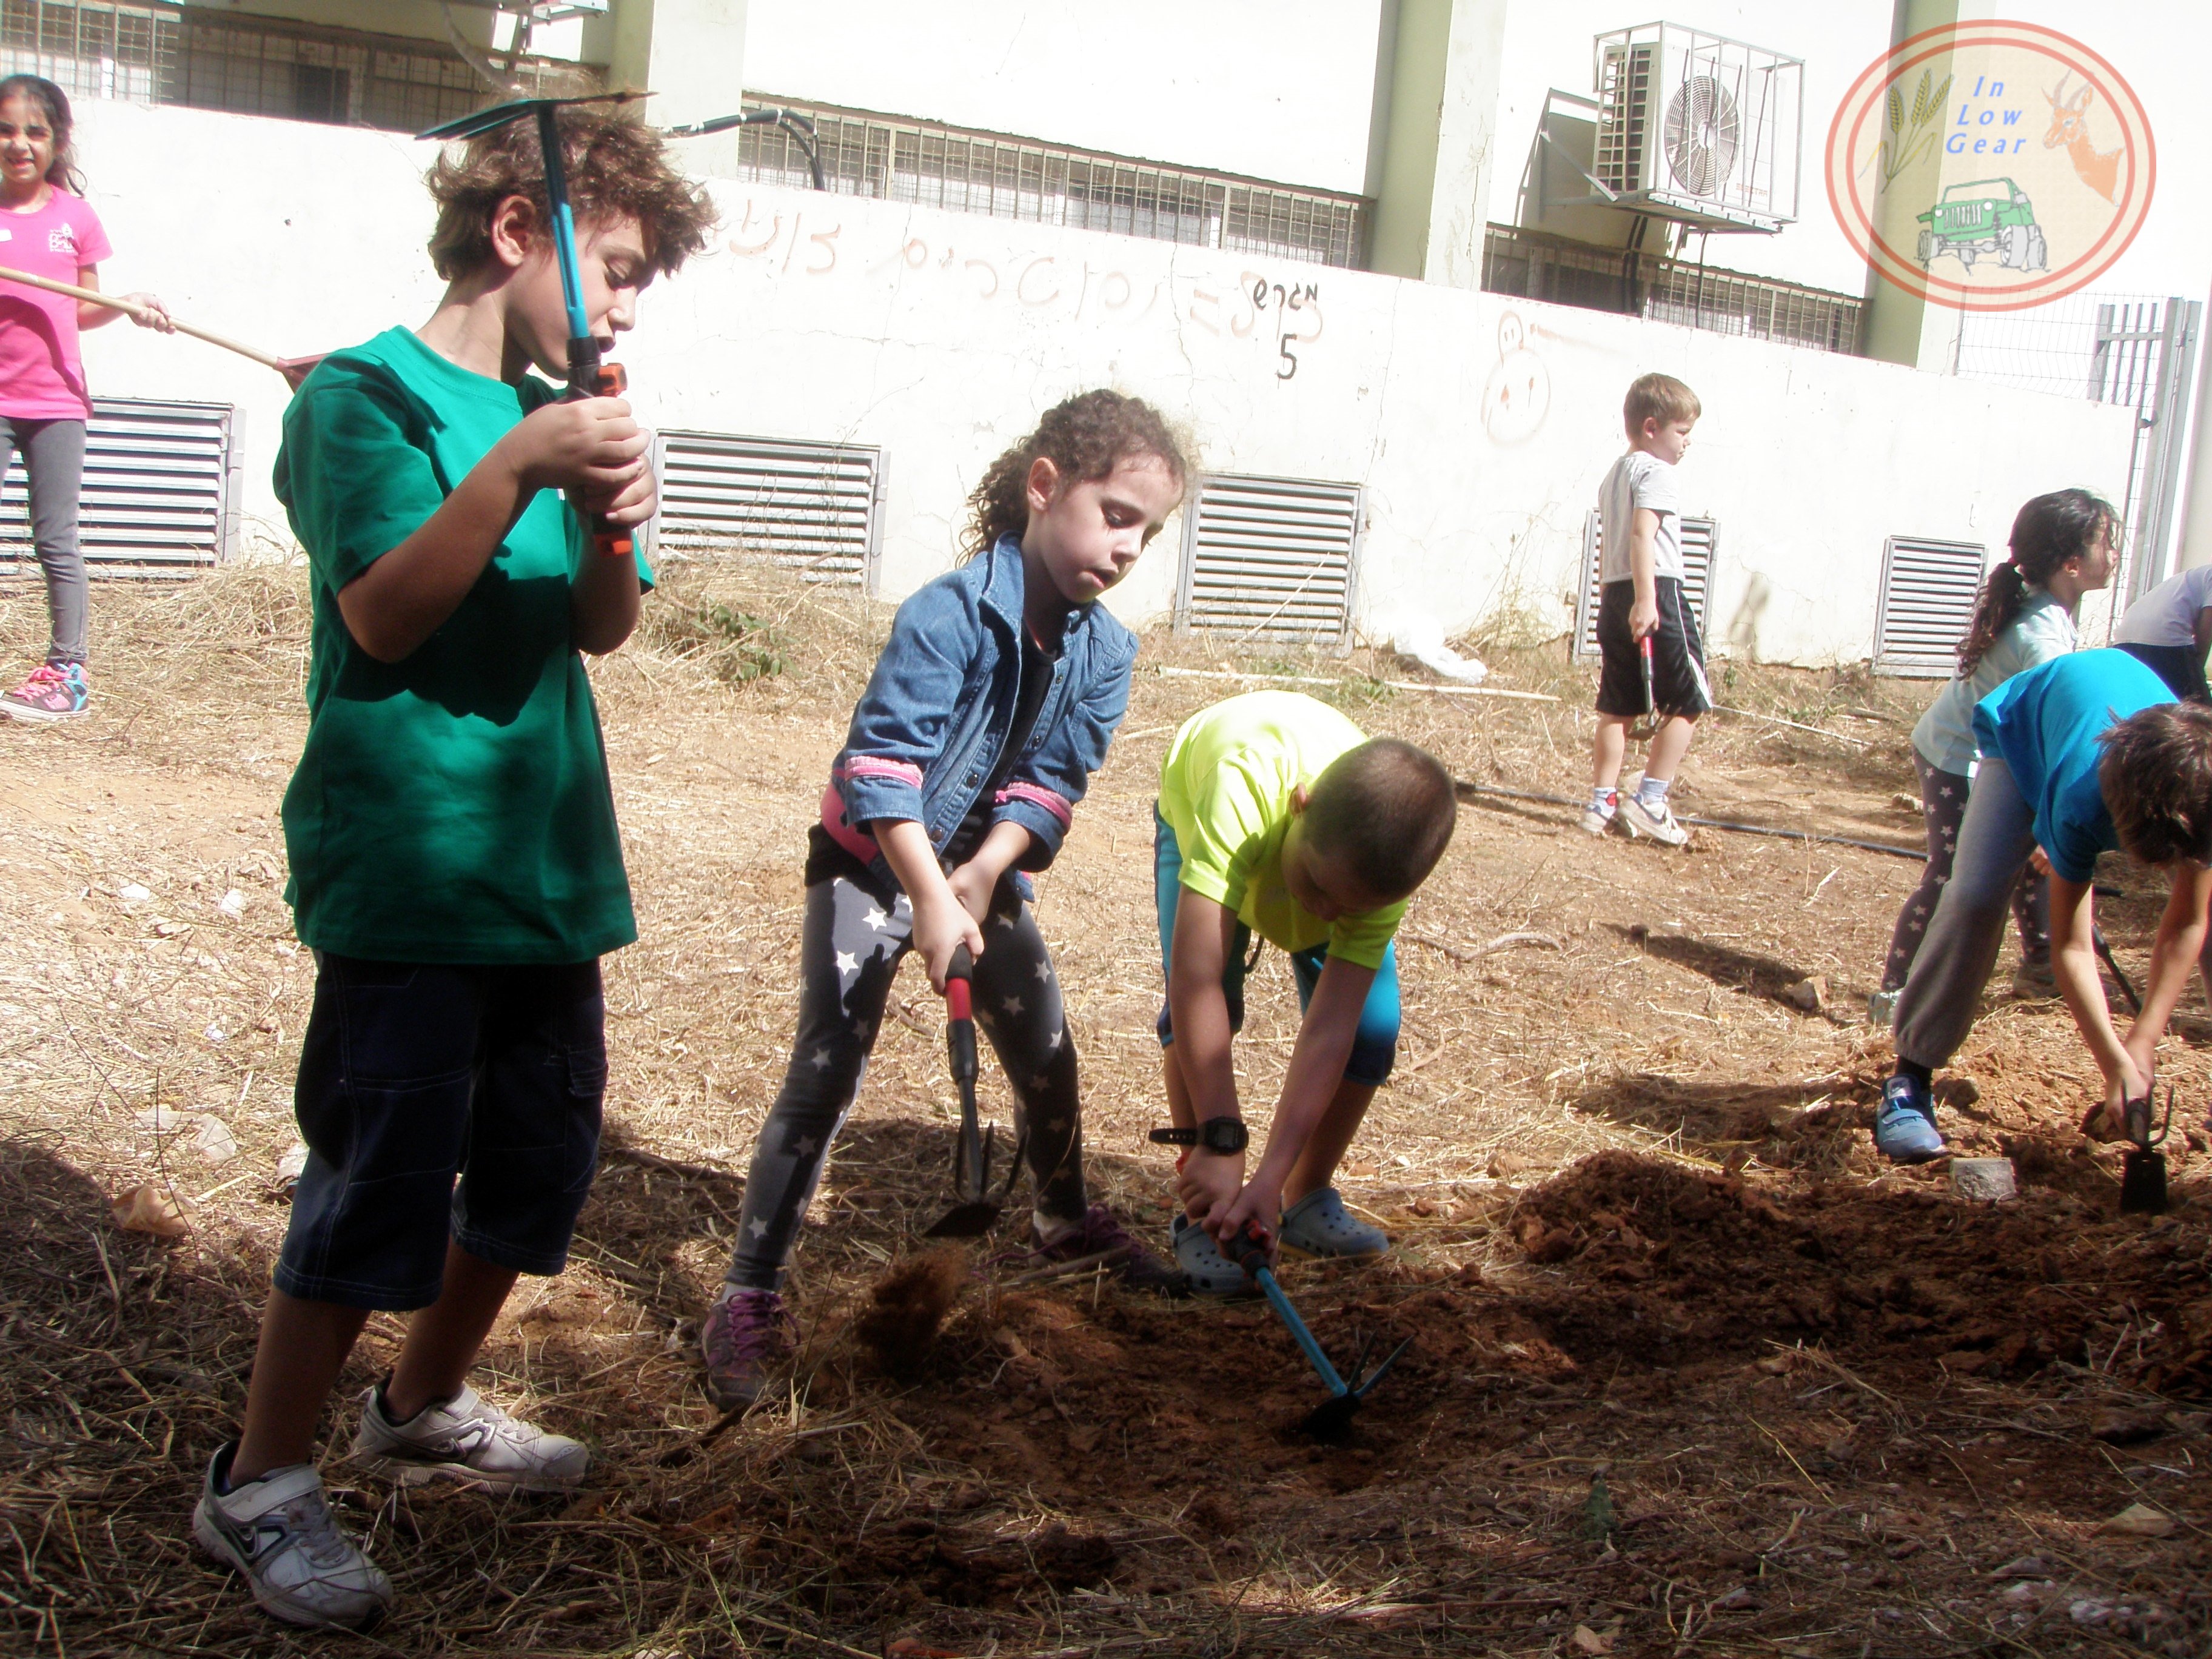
[[440, 1103], [1373, 1047]]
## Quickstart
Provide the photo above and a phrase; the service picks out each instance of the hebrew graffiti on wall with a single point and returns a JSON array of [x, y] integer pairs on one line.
[[1282, 318]]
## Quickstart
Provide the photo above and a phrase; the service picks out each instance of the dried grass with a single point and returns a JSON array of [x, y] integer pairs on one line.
[[1064, 1469]]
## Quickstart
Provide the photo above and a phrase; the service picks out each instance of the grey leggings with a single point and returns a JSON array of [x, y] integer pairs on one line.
[[850, 944], [1943, 803], [53, 457]]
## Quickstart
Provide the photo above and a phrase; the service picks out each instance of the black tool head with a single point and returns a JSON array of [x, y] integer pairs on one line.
[[966, 1221], [1330, 1422], [483, 120], [2142, 1182]]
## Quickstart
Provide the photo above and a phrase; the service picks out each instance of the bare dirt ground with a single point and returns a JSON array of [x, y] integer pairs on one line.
[[1690, 1372]]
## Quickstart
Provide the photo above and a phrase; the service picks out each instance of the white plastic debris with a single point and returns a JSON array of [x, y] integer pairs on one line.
[[161, 1119], [232, 904], [216, 1033], [215, 1141], [1423, 640], [292, 1165], [133, 893]]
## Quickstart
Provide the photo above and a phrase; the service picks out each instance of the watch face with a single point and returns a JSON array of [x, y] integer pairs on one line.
[[1224, 1135]]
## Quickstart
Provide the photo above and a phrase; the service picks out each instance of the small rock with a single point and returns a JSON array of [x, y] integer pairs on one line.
[[161, 1119], [133, 893], [1983, 1180], [2197, 1141], [2139, 1521], [2120, 1428], [146, 1209], [2025, 1566], [216, 1033], [232, 904], [292, 1165], [1904, 803], [1810, 994], [1504, 1166], [1583, 1639], [2090, 1612]]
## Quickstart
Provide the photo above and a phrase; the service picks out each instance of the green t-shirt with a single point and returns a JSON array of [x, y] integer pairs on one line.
[[453, 806], [1225, 791]]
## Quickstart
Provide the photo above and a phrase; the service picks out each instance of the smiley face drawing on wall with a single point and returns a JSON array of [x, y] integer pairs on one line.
[[1518, 394]]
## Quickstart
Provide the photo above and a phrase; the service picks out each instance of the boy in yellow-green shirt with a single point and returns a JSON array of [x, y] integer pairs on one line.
[[1278, 815]]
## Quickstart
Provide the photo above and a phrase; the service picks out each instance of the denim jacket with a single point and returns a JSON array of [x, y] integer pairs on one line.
[[928, 731]]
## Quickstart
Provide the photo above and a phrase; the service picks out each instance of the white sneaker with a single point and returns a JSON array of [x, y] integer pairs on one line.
[[1596, 822], [467, 1438], [1881, 1009], [1661, 826], [279, 1533]]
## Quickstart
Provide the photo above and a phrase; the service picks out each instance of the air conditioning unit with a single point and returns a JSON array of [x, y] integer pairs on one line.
[[1698, 129]]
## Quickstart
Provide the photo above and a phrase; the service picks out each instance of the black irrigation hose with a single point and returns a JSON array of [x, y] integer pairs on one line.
[[1890, 847]]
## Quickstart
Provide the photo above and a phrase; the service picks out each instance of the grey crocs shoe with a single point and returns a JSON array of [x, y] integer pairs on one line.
[[1210, 1272], [1319, 1225]]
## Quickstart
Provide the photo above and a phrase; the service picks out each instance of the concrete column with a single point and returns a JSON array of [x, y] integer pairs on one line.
[[1433, 137], [691, 54], [1901, 327]]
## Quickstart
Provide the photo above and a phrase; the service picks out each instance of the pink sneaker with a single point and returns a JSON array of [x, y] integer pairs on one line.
[[746, 1333], [54, 692]]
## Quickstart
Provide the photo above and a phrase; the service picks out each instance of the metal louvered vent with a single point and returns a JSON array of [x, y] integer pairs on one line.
[[1927, 603], [1700, 547], [159, 484], [1277, 557], [811, 507]]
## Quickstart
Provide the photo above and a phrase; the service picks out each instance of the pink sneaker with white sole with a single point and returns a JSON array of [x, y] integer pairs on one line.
[[56, 691]]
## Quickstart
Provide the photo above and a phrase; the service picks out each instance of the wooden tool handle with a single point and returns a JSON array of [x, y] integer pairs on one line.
[[116, 303]]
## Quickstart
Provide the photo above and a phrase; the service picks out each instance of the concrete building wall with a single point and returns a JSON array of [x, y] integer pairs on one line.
[[1480, 426]]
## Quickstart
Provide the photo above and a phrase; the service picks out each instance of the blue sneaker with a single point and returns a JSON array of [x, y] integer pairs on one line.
[[1905, 1127]]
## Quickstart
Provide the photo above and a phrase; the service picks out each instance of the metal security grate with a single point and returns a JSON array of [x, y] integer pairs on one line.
[[1700, 546], [965, 170], [151, 51], [1278, 556], [160, 481], [1926, 605], [812, 507]]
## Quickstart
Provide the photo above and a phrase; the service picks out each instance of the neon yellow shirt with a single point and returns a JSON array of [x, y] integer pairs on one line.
[[1225, 791]]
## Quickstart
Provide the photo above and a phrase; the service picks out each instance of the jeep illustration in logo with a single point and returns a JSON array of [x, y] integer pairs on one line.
[[1991, 216]]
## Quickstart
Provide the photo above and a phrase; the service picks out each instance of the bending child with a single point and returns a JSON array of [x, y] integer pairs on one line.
[[1640, 608], [992, 704], [2062, 547], [2085, 755], [455, 862], [1278, 815]]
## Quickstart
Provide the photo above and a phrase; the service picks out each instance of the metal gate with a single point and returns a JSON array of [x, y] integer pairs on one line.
[[1700, 546], [1927, 602], [160, 488], [1275, 556], [813, 507]]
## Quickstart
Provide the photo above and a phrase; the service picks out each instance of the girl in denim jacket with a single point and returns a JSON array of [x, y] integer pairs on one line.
[[992, 704]]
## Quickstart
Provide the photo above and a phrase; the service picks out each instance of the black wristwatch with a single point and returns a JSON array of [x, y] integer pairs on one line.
[[1225, 1135]]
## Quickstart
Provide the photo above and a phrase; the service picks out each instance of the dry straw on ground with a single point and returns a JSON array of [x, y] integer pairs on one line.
[[1640, 1235]]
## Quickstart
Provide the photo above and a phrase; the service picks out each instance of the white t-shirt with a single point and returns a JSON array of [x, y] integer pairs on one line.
[[1639, 480], [2044, 629], [2167, 614]]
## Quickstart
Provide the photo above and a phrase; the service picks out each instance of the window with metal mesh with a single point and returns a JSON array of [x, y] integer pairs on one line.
[[898, 159], [1700, 548], [812, 507], [1926, 604], [159, 485], [1276, 557]]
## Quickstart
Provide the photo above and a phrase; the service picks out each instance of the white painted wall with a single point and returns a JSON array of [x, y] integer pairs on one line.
[[1277, 89], [1480, 426]]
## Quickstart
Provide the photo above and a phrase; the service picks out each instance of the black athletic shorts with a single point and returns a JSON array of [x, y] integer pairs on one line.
[[1678, 655]]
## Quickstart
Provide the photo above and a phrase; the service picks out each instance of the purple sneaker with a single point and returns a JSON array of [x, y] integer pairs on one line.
[[1101, 1230], [746, 1333], [55, 692]]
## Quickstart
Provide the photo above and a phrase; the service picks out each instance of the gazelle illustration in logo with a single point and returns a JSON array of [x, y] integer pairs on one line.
[[2098, 169]]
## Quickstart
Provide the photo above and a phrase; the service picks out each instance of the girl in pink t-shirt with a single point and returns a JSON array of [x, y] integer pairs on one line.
[[48, 229]]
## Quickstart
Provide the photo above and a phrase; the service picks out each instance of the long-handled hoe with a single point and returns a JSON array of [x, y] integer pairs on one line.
[[1331, 1420]]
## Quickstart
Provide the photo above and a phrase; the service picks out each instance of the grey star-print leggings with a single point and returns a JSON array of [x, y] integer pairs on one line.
[[1943, 801], [850, 944]]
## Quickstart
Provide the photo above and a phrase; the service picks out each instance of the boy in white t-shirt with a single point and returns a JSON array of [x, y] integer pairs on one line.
[[1640, 576], [2169, 629]]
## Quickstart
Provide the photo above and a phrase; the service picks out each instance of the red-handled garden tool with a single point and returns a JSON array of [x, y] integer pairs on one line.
[[1332, 1419], [588, 376], [1646, 728], [977, 1212]]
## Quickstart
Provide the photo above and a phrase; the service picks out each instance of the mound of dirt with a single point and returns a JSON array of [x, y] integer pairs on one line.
[[908, 1306]]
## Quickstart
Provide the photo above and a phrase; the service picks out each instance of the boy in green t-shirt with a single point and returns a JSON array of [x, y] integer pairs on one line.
[[455, 862], [1278, 815]]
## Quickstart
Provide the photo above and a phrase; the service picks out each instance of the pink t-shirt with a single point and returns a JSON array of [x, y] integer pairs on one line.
[[41, 371]]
